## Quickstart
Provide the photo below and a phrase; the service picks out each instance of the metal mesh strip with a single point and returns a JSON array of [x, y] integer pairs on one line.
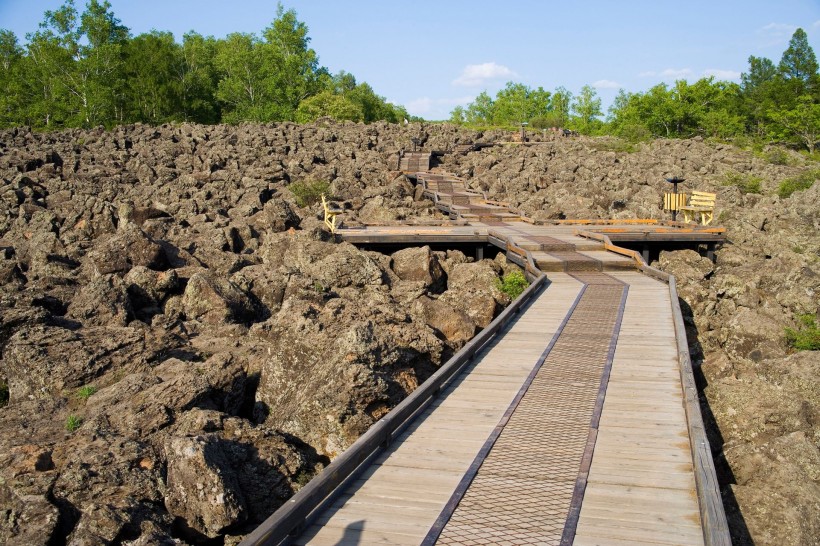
[[523, 490]]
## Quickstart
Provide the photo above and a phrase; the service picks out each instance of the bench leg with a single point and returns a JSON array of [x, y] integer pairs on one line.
[[706, 217]]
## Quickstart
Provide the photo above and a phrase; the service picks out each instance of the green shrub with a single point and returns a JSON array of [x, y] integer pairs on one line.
[[747, 183], [72, 423], [807, 335], [513, 284], [797, 183], [614, 145], [634, 132], [4, 394], [309, 192], [84, 392], [777, 156]]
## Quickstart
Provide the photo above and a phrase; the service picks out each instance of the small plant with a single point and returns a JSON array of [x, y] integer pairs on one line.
[[747, 183], [309, 192], [4, 394], [807, 335], [303, 477], [777, 156], [72, 423], [513, 284], [797, 183], [85, 392]]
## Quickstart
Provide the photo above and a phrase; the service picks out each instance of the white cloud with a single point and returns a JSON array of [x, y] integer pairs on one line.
[[675, 73], [475, 75], [816, 24], [425, 106], [606, 84], [722, 75], [776, 33]]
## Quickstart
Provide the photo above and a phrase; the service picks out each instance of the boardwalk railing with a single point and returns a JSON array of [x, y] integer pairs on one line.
[[291, 517], [713, 516]]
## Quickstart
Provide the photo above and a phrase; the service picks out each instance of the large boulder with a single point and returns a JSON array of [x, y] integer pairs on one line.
[[102, 302], [334, 369], [418, 264], [202, 485], [127, 248], [216, 300], [450, 322]]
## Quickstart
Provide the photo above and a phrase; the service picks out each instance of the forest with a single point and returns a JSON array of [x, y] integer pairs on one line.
[[86, 70], [776, 103]]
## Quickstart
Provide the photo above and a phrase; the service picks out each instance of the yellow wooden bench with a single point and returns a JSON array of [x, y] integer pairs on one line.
[[331, 211], [702, 205]]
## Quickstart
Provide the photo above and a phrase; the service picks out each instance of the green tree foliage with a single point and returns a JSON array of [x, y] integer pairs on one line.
[[329, 104], [586, 109], [151, 66], [480, 111], [85, 69], [11, 77], [83, 61], [518, 103], [198, 80], [778, 103], [242, 90], [798, 66]]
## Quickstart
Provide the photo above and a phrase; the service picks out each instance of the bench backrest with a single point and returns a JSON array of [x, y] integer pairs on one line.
[[702, 199]]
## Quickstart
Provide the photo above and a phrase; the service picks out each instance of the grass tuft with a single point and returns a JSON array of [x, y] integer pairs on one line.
[[309, 192], [72, 423]]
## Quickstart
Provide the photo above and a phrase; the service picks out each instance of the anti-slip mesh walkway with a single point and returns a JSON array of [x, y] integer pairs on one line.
[[526, 485]]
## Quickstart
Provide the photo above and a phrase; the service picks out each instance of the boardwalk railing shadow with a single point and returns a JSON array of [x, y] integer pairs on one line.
[[737, 524]]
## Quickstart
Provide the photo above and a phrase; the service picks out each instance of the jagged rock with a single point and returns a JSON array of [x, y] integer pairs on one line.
[[453, 324], [103, 301], [148, 289], [417, 264], [216, 300], [335, 345], [264, 461], [128, 248], [41, 360], [202, 486], [277, 216], [334, 369], [265, 285]]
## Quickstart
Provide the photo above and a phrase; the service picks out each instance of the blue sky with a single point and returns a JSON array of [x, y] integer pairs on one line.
[[432, 55]]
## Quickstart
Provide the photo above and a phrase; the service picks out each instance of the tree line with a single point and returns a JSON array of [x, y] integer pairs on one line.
[[86, 69], [773, 102]]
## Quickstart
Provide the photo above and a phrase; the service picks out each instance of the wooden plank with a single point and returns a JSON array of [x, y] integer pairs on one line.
[[637, 531]]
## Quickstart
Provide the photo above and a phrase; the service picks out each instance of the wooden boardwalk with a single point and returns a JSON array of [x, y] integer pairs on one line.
[[576, 423], [640, 487]]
